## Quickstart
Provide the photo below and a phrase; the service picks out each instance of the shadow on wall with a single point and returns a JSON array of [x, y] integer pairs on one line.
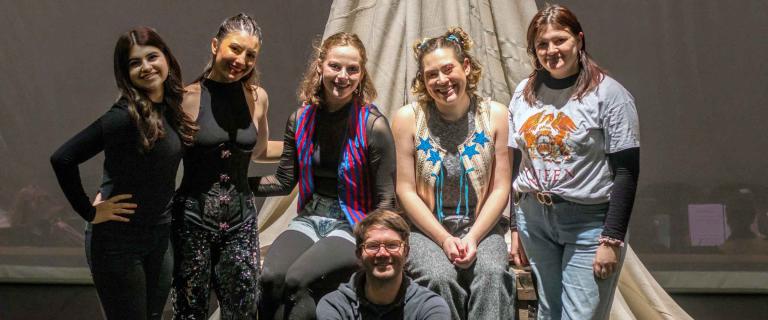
[[36, 218]]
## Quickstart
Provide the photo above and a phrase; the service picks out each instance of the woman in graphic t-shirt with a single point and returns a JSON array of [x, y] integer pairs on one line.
[[576, 132]]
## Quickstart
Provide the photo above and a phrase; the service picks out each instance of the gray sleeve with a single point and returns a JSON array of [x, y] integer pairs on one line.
[[434, 308], [325, 310], [621, 126], [511, 138]]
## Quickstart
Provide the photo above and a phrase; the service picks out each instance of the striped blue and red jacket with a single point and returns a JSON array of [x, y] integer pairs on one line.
[[354, 184]]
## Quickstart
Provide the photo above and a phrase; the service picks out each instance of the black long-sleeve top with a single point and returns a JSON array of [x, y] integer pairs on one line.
[[329, 134], [149, 176]]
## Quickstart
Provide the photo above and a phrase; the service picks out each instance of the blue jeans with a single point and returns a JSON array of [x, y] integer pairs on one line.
[[322, 217], [561, 241]]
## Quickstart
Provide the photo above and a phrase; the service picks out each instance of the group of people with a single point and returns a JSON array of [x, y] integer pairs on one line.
[[416, 205]]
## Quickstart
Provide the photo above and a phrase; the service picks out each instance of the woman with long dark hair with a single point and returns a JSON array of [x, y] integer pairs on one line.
[[215, 230], [142, 136], [577, 132], [338, 148]]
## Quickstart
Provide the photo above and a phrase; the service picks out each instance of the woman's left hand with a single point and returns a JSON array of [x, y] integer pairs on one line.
[[469, 254], [606, 261]]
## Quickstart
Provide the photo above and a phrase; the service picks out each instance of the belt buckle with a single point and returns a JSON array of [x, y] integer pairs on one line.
[[544, 198]]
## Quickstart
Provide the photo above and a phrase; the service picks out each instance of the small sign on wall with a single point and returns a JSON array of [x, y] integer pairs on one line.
[[706, 224]]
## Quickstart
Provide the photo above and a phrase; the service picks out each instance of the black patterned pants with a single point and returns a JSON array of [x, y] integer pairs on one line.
[[226, 260]]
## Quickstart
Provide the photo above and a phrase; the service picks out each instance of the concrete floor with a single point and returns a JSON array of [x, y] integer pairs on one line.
[[49, 302]]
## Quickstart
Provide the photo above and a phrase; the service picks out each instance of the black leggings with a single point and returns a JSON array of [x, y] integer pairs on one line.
[[298, 271], [131, 268]]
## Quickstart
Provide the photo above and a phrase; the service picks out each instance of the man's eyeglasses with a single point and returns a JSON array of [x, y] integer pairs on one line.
[[373, 247]]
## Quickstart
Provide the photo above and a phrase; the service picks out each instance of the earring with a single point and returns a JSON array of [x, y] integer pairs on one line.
[[357, 90]]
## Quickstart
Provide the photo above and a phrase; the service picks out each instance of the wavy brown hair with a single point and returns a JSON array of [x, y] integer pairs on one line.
[[148, 119], [311, 88], [457, 40], [590, 74]]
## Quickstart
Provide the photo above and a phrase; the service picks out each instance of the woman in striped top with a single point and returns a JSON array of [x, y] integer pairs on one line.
[[338, 147]]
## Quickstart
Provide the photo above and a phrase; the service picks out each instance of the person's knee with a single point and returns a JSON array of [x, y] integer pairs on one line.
[[438, 276], [295, 282], [490, 270], [272, 279]]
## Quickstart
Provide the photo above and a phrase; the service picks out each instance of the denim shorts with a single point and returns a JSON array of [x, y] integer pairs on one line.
[[322, 217]]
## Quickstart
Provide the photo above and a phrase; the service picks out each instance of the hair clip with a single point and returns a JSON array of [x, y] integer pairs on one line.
[[453, 38], [423, 44]]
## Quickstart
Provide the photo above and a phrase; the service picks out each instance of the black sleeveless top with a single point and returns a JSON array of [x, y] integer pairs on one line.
[[224, 143]]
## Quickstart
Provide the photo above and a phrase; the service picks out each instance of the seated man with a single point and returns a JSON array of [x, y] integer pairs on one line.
[[381, 290]]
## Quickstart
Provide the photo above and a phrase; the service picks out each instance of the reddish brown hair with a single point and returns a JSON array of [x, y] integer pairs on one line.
[[560, 17], [311, 88]]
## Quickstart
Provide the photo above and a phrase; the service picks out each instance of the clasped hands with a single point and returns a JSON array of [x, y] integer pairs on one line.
[[462, 252]]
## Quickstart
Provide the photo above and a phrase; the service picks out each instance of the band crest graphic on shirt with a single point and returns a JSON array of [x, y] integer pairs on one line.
[[546, 136]]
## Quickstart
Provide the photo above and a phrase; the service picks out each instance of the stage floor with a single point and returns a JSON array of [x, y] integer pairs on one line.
[[49, 302]]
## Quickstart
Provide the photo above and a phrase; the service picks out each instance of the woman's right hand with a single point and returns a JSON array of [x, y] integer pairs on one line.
[[113, 209], [453, 248], [516, 251]]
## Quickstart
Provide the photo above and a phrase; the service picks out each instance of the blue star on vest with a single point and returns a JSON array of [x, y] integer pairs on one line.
[[424, 145], [470, 151], [434, 157], [480, 138]]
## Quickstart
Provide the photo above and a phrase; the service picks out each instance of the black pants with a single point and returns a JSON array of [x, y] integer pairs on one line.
[[297, 271], [131, 268]]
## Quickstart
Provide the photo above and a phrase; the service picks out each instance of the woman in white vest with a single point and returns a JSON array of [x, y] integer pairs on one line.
[[453, 180]]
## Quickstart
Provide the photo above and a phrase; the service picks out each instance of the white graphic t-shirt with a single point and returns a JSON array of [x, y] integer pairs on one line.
[[565, 142]]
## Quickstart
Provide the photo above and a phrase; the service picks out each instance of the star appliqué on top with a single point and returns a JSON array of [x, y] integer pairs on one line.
[[470, 151], [424, 145], [480, 138], [434, 157]]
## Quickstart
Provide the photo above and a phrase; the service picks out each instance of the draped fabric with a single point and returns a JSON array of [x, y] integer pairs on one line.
[[639, 296], [388, 28]]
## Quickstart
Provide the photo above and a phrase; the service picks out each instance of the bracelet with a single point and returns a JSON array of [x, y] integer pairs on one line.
[[611, 242]]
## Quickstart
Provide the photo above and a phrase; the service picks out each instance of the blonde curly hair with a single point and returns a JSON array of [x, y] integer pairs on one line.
[[457, 40]]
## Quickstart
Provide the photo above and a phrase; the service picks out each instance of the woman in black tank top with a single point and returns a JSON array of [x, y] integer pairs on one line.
[[142, 136], [215, 232]]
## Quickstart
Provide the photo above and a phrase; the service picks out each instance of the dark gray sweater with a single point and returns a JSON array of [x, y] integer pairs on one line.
[[413, 302]]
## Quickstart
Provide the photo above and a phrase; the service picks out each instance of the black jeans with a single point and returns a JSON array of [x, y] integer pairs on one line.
[[131, 268]]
